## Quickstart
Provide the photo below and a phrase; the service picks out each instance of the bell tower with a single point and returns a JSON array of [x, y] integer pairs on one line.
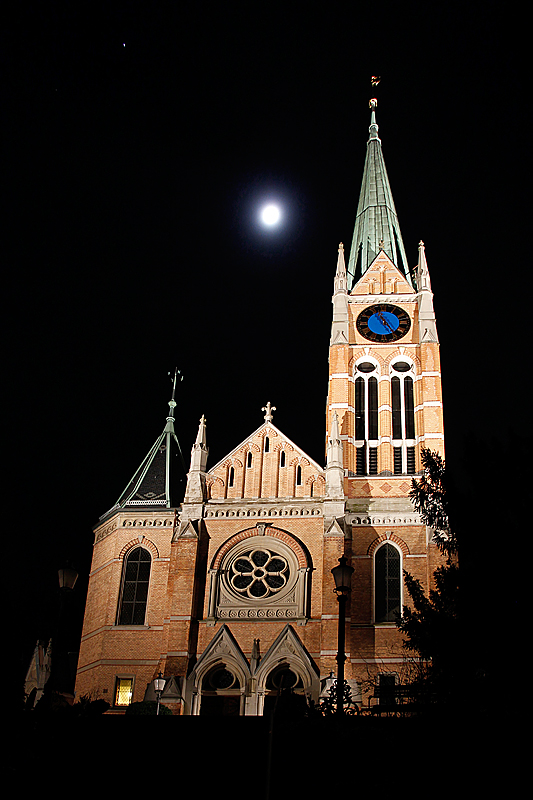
[[385, 406], [384, 367]]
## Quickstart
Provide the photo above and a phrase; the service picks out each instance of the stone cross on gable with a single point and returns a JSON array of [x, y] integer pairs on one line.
[[269, 409]]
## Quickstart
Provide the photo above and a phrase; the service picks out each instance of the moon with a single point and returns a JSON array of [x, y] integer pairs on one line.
[[270, 214]]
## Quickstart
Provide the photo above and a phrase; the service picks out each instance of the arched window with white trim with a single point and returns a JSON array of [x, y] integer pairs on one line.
[[403, 417], [366, 417]]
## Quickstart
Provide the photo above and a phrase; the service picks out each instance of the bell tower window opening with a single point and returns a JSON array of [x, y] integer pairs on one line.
[[298, 475], [267, 444], [403, 419], [249, 459], [231, 478], [282, 459], [366, 420]]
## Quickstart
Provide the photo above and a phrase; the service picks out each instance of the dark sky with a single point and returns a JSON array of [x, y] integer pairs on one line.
[[138, 140]]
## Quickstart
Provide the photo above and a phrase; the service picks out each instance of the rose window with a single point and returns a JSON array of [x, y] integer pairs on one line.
[[259, 573]]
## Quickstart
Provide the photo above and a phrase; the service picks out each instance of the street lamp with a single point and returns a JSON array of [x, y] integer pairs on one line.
[[67, 577], [342, 575], [159, 685]]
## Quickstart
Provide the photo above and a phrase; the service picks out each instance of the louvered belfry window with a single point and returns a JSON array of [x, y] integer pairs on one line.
[[366, 419], [134, 594], [403, 419]]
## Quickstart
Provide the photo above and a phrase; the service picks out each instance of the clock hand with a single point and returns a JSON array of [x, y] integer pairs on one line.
[[384, 321]]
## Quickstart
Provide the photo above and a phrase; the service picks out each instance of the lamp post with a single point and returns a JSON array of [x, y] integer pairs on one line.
[[159, 685], [67, 577], [342, 575], [60, 680]]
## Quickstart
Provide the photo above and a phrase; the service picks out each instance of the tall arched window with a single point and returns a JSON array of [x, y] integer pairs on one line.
[[366, 418], [387, 583], [403, 418], [134, 589], [231, 477]]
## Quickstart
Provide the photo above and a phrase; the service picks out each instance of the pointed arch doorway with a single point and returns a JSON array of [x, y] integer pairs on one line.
[[220, 693]]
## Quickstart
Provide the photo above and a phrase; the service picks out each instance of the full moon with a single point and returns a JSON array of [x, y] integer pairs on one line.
[[270, 214]]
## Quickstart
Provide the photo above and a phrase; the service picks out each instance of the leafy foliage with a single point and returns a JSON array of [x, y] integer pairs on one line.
[[430, 499], [432, 624]]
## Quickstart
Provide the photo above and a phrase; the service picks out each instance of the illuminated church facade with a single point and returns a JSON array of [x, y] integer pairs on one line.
[[228, 591]]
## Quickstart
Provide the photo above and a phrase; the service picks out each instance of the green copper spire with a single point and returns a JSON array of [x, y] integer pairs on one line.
[[376, 222]]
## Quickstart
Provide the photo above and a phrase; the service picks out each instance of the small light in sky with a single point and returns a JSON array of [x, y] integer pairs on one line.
[[270, 214]]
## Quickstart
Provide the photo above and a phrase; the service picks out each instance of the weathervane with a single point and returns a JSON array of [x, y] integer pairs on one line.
[[374, 81], [172, 402]]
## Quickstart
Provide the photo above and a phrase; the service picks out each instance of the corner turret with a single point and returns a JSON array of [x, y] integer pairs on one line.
[[339, 327], [195, 491], [426, 314]]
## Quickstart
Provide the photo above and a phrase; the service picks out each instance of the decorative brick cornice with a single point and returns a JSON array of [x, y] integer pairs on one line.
[[392, 518], [149, 522], [291, 509]]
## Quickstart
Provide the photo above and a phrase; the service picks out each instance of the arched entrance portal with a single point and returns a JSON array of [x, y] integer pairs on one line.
[[284, 688], [220, 693]]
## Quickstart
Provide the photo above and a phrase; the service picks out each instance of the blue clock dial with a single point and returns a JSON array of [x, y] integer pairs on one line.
[[383, 322]]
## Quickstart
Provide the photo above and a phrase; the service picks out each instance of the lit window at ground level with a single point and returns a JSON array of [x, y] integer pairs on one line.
[[123, 691]]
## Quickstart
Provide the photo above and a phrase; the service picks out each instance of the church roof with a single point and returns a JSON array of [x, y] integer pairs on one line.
[[376, 222], [267, 426], [152, 484]]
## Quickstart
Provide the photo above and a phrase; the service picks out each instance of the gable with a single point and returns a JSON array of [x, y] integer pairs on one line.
[[268, 465], [288, 649], [382, 277]]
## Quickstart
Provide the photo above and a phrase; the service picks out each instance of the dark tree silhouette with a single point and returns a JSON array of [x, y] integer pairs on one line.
[[432, 625]]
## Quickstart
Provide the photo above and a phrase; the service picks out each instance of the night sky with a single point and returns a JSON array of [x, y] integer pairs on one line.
[[139, 140]]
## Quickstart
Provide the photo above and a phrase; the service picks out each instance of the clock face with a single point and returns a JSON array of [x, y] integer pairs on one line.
[[383, 323]]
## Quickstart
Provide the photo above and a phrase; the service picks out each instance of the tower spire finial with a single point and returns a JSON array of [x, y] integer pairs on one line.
[[172, 401], [269, 409], [374, 127]]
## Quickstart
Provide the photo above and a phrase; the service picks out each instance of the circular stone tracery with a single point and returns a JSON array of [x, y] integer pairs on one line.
[[259, 573]]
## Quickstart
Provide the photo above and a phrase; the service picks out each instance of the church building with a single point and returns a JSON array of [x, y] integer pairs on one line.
[[228, 591]]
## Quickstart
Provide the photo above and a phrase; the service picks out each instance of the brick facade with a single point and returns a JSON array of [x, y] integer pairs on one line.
[[240, 589]]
